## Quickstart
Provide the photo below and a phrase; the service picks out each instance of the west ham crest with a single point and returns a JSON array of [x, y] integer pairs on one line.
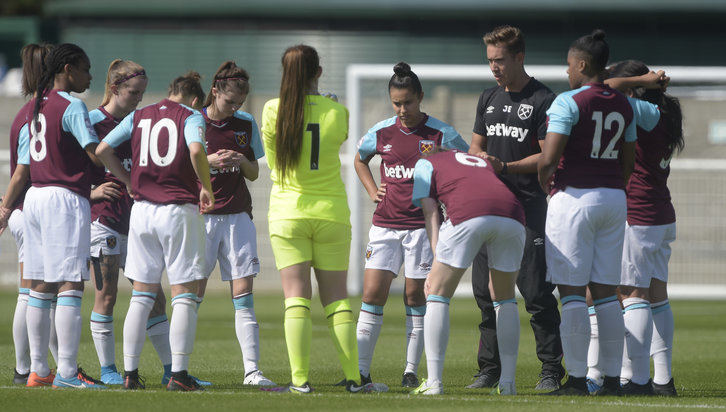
[[111, 242], [369, 252], [426, 146], [525, 111], [241, 139]]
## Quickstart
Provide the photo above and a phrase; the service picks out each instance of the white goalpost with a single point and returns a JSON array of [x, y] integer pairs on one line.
[[356, 74]]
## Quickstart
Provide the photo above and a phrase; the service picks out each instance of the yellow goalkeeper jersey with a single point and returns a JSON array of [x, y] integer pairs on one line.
[[314, 189]]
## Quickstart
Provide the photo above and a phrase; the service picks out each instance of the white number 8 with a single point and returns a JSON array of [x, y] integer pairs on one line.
[[38, 136], [150, 142]]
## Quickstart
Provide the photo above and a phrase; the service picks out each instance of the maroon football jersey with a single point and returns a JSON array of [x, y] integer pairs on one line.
[[56, 156], [602, 118], [115, 213], [238, 133], [649, 200], [21, 119], [161, 170], [467, 186], [400, 148]]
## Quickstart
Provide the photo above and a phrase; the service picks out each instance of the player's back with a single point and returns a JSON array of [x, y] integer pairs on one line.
[[600, 118], [314, 188], [162, 171], [56, 156]]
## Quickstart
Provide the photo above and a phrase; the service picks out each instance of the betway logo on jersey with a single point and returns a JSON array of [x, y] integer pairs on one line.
[[398, 172], [502, 130]]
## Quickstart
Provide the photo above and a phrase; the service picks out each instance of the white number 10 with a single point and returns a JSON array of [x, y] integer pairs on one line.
[[150, 142]]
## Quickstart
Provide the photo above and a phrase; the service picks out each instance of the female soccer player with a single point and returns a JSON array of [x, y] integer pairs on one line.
[[233, 141], [57, 214], [166, 230], [491, 216], [309, 218], [590, 143], [398, 234], [110, 212], [11, 207], [649, 231]]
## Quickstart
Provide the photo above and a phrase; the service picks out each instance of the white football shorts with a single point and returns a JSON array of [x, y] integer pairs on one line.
[[584, 236], [57, 234], [388, 249], [107, 241], [503, 237], [16, 222], [231, 240], [165, 236], [646, 252]]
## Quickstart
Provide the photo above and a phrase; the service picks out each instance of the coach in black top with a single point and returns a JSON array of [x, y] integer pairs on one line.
[[509, 129]]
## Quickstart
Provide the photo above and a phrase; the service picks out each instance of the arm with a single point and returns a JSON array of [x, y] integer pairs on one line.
[[225, 159], [108, 156], [652, 80], [363, 170], [15, 188], [554, 146], [198, 157], [431, 217], [478, 144]]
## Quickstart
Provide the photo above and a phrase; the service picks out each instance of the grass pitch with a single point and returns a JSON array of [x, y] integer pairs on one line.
[[699, 365]]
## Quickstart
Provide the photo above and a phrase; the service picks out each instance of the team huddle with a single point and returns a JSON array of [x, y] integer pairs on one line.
[[563, 191]]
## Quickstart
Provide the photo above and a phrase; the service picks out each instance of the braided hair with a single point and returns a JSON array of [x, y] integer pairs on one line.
[[55, 62]]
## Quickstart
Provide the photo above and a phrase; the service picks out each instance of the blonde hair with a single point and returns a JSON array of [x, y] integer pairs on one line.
[[120, 71]]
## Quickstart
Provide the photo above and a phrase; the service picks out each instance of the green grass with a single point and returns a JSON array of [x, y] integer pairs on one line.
[[699, 366]]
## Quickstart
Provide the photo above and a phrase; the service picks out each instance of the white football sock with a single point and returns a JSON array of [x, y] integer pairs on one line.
[[157, 329], [135, 328], [20, 333], [436, 335], [638, 336], [68, 326], [575, 335], [182, 330], [662, 344], [38, 321], [53, 342], [414, 337], [593, 351], [611, 331], [370, 322], [103, 338], [248, 331], [507, 319]]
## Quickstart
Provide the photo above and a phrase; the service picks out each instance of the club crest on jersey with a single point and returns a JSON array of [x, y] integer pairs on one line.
[[369, 252], [241, 139], [525, 111], [426, 146], [111, 242]]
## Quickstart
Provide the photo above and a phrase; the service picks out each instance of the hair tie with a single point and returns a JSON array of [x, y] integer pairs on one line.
[[129, 77]]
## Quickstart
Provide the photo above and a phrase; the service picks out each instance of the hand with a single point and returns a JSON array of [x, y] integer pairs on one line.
[[656, 80], [206, 201], [225, 159], [379, 194], [106, 191]]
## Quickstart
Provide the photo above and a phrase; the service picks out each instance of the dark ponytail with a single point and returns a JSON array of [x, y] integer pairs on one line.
[[56, 60]]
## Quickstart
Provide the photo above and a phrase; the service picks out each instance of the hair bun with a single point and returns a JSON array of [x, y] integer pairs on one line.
[[598, 34], [402, 69]]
